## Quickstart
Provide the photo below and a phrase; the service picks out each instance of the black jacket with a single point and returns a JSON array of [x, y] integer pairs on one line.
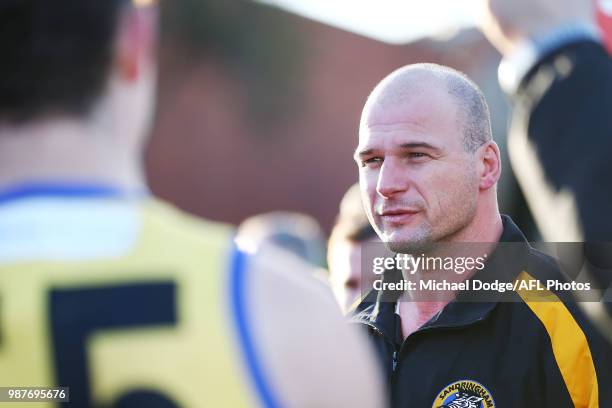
[[561, 145], [515, 351]]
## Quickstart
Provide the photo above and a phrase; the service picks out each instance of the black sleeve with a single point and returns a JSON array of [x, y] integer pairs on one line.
[[565, 106]]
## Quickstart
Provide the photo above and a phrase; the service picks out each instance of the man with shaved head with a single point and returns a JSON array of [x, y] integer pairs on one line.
[[435, 121], [428, 170]]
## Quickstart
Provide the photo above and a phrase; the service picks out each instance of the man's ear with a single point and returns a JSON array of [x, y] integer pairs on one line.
[[489, 165], [136, 41]]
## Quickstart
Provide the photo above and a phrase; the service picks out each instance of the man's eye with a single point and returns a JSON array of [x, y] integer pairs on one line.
[[371, 161], [417, 155]]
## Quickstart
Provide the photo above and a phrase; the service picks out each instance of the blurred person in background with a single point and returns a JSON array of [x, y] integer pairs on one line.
[[111, 292], [559, 76], [350, 233], [299, 234]]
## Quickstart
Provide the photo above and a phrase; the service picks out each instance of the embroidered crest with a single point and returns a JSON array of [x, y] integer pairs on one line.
[[464, 394]]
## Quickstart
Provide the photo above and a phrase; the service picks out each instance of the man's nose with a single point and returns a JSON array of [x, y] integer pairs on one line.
[[391, 180]]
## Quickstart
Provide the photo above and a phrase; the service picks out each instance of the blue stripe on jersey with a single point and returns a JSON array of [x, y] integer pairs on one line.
[[239, 308], [67, 190]]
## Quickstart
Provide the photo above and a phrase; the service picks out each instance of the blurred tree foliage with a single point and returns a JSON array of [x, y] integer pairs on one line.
[[260, 44]]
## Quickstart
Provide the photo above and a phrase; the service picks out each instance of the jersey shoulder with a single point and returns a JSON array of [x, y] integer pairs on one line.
[[167, 223]]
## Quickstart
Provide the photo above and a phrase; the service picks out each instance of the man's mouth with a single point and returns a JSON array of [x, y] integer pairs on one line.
[[398, 215]]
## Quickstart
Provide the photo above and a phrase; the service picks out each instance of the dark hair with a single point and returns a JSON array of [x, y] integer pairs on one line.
[[54, 55]]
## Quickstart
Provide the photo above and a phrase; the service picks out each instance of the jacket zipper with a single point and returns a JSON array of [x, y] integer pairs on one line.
[[394, 360], [392, 344]]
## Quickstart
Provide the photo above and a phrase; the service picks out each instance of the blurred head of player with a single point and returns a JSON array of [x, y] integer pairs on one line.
[[299, 234], [428, 167], [351, 231], [77, 77]]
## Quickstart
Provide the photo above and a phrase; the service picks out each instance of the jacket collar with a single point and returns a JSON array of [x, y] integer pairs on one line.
[[505, 264]]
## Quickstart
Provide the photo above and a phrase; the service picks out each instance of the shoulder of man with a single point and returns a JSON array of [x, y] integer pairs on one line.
[[311, 355], [174, 222], [288, 330], [552, 320], [583, 59], [296, 348]]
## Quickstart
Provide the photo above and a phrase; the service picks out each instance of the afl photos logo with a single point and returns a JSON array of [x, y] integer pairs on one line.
[[464, 394]]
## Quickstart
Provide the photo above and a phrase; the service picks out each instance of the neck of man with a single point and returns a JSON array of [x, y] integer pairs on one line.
[[68, 150], [477, 239]]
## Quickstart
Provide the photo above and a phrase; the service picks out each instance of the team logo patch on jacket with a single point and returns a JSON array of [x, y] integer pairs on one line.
[[464, 394]]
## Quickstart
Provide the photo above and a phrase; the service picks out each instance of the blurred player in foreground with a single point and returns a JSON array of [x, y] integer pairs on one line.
[[559, 75], [111, 292], [352, 230]]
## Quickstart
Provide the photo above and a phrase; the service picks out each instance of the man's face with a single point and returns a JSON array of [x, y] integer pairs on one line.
[[419, 184], [346, 278]]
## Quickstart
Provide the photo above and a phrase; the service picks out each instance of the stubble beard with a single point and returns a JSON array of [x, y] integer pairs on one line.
[[425, 239], [420, 242]]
